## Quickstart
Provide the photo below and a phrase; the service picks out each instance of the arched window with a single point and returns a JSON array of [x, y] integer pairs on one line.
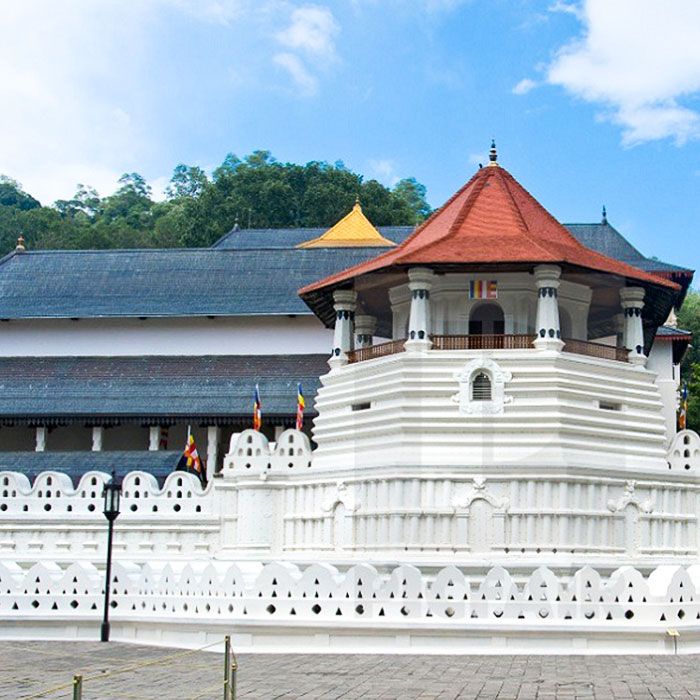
[[486, 319], [481, 387]]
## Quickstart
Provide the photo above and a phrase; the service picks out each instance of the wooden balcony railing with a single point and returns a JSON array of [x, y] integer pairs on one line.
[[374, 351], [606, 352], [522, 341], [482, 342]]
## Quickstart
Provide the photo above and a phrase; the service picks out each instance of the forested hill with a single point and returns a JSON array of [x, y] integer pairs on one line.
[[257, 191]]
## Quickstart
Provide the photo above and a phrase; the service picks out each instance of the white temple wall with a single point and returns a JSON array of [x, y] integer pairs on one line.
[[272, 502], [667, 379], [240, 335], [555, 409]]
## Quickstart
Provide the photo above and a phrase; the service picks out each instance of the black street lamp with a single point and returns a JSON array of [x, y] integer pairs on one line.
[[111, 493]]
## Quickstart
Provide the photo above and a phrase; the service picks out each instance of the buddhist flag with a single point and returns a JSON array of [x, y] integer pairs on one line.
[[683, 410], [257, 409], [301, 405], [483, 289], [191, 461]]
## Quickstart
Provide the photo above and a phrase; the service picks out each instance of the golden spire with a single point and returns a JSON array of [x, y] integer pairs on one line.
[[353, 230], [20, 244]]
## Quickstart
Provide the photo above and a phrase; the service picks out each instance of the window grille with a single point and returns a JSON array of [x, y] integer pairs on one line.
[[481, 387]]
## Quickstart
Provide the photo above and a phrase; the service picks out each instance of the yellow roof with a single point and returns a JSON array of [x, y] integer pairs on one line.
[[354, 229]]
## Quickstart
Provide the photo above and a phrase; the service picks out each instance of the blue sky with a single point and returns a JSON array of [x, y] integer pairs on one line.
[[591, 103]]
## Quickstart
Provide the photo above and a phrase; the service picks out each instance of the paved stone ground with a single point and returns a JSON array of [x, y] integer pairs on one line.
[[26, 668]]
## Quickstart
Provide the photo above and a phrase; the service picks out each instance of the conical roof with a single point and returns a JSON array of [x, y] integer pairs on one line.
[[490, 221], [353, 230]]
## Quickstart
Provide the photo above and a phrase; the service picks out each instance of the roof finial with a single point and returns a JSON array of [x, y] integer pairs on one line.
[[493, 154], [605, 215], [236, 226], [357, 200], [20, 244]]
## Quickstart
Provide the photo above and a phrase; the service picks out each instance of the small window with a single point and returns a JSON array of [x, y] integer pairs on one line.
[[361, 406], [481, 387], [610, 406]]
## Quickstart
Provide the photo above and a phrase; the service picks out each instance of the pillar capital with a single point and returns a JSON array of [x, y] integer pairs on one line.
[[632, 297], [420, 278], [365, 327], [344, 299], [547, 276]]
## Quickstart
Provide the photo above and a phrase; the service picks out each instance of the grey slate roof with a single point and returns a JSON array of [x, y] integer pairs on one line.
[[40, 389], [670, 331], [247, 273], [291, 237], [606, 239], [152, 283], [75, 464]]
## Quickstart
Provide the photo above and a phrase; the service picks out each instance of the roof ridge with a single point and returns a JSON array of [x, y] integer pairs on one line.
[[511, 199]]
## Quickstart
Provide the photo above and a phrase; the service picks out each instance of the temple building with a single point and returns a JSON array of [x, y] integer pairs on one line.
[[489, 459], [105, 352]]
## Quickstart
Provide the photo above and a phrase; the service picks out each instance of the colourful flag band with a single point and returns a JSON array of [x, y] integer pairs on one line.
[[301, 405], [193, 461], [483, 289], [257, 409], [683, 408]]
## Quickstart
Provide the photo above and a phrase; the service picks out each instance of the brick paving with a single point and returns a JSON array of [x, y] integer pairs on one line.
[[26, 668]]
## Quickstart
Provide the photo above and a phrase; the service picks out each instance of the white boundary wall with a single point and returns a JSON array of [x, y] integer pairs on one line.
[[279, 606]]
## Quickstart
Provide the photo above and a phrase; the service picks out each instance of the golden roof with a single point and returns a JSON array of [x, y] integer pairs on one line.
[[354, 229]]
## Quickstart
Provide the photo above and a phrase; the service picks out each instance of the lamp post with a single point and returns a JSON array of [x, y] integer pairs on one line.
[[112, 492]]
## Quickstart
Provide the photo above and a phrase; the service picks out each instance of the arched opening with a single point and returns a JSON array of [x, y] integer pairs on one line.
[[481, 387], [486, 319]]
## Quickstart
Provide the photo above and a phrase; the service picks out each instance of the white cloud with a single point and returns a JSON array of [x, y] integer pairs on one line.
[[638, 59], [311, 33], [524, 86], [304, 80], [312, 30], [384, 170], [65, 126]]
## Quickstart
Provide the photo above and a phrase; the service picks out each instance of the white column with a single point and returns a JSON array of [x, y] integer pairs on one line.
[[279, 429], [632, 302], [345, 301], [41, 432], [365, 326], [154, 438], [547, 324], [98, 433], [213, 436], [419, 329]]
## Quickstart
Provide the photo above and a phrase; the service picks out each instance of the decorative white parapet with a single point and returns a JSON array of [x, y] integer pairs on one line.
[[684, 452], [359, 609], [51, 518], [632, 302], [251, 453]]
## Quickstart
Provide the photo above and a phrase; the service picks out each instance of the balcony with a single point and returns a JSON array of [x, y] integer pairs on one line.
[[490, 342]]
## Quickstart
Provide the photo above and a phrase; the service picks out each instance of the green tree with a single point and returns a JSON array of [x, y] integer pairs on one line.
[[689, 320], [413, 193], [12, 195], [187, 181]]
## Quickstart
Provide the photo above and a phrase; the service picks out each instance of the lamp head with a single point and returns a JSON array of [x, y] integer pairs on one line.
[[111, 494]]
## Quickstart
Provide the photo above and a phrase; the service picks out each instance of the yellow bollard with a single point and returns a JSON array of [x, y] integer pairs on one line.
[[77, 687], [227, 667], [234, 668]]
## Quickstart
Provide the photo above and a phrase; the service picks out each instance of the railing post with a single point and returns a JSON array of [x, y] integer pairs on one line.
[[227, 667], [234, 669], [77, 687]]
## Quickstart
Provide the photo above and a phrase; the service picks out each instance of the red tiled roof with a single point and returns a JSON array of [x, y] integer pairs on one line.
[[491, 220]]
